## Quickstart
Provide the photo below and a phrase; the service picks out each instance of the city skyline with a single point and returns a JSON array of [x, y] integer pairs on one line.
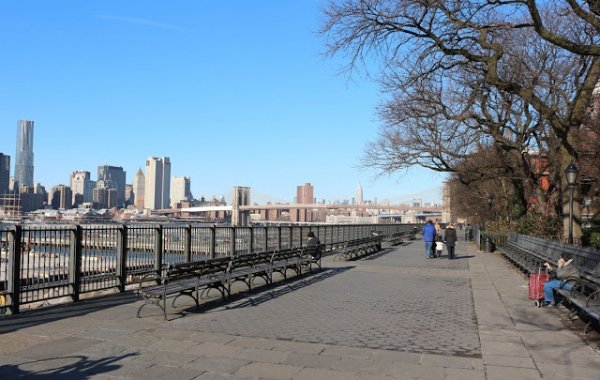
[[116, 83]]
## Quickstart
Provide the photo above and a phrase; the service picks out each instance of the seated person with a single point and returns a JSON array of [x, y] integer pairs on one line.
[[312, 241], [566, 269]]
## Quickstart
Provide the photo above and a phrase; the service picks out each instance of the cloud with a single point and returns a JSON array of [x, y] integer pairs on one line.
[[141, 21]]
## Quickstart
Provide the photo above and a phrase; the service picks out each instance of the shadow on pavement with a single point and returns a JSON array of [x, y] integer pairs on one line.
[[30, 318], [81, 368]]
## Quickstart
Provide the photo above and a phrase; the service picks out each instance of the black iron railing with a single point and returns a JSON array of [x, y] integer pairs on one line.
[[40, 263]]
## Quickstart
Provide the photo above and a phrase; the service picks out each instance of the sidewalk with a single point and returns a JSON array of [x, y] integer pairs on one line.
[[394, 315]]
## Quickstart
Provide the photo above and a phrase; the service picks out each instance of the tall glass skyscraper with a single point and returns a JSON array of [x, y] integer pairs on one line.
[[24, 156]]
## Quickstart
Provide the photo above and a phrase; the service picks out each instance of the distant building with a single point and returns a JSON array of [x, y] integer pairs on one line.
[[81, 184], [4, 173], [180, 191], [24, 157], [358, 194], [114, 178], [129, 195], [305, 194], [61, 197], [158, 183], [104, 197], [138, 189]]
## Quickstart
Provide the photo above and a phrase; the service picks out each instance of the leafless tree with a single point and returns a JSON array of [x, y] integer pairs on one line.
[[468, 74]]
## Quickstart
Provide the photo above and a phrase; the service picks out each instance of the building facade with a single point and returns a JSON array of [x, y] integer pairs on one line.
[[24, 154], [158, 183], [114, 178], [139, 184], [4, 173], [61, 197], [82, 185], [180, 190], [305, 194]]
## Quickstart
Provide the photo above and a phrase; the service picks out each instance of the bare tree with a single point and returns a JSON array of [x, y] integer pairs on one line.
[[463, 74]]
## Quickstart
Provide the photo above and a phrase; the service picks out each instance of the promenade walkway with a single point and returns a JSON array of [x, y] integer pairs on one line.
[[394, 315]]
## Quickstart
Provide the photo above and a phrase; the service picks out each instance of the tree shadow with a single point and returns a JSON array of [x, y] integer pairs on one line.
[[82, 368]]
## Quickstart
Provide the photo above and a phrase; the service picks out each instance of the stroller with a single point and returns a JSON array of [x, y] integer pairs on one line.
[[536, 286], [437, 248]]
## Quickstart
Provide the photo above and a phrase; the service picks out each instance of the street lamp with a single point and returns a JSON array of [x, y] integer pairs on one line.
[[571, 174]]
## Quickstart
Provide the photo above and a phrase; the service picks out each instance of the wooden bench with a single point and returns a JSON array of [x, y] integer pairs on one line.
[[246, 268], [583, 299], [287, 259], [358, 248], [394, 239], [184, 279]]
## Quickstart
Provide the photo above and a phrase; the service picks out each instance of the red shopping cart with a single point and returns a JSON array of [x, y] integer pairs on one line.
[[536, 286]]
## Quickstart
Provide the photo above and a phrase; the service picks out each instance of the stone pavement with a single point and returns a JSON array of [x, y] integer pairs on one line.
[[393, 315]]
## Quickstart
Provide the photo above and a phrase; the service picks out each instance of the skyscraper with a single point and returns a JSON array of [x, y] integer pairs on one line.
[[158, 183], [114, 178], [24, 156], [139, 182], [180, 190], [81, 184], [4, 173], [358, 194], [304, 194]]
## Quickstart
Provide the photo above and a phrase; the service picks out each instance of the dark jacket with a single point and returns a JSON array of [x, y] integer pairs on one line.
[[450, 237], [429, 232]]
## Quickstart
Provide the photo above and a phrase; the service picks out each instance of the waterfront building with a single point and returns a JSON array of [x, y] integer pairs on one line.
[[358, 194], [158, 183], [180, 190], [24, 157], [114, 178], [305, 194], [82, 185], [138, 189], [61, 197], [4, 173]]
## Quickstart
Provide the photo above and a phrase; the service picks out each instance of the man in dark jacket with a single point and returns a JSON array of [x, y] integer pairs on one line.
[[450, 240], [428, 237]]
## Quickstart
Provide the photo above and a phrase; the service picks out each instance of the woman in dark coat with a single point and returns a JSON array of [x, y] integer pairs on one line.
[[450, 240]]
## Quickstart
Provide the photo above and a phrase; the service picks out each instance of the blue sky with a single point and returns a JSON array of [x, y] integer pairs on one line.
[[236, 93]]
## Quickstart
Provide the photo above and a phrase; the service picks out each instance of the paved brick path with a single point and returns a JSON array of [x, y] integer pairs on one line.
[[394, 315]]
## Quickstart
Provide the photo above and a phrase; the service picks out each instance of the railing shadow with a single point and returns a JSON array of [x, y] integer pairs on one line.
[[248, 298], [30, 318], [82, 368]]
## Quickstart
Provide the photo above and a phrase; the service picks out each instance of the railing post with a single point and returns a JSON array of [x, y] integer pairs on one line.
[[187, 244], [213, 241], [266, 238], [233, 239], [14, 269], [279, 237], [158, 248], [75, 262], [122, 257], [251, 239]]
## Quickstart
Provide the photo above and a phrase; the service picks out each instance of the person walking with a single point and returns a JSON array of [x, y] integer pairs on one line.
[[428, 237], [450, 240]]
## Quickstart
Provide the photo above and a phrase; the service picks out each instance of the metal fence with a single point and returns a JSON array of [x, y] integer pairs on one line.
[[40, 263]]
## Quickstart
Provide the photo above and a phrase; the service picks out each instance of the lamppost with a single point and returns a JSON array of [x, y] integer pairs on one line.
[[571, 174], [490, 200], [488, 241]]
